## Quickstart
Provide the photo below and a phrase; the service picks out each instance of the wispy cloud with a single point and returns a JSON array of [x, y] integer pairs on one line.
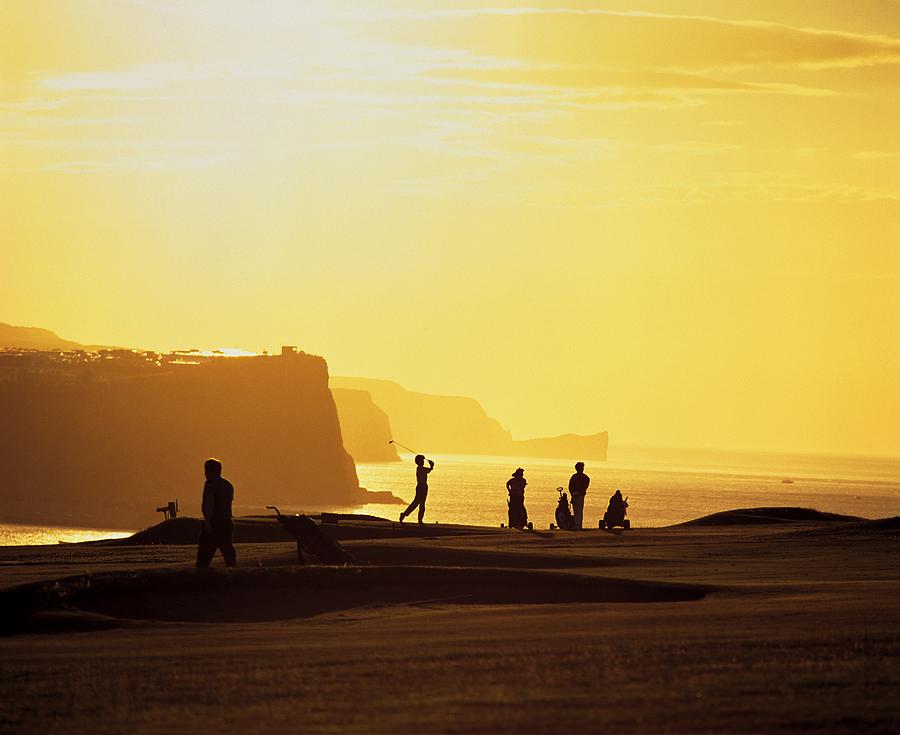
[[659, 40], [876, 155], [580, 80], [482, 95], [741, 188], [129, 79], [124, 164]]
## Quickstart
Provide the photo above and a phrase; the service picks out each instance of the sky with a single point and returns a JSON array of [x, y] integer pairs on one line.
[[676, 220]]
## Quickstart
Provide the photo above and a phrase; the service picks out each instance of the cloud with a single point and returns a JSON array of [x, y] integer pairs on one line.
[[581, 79], [680, 192], [488, 84], [876, 155], [30, 105], [129, 79], [124, 164], [639, 40], [739, 189]]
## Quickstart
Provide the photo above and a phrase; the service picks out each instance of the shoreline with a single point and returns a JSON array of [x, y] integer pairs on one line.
[[260, 528], [462, 495]]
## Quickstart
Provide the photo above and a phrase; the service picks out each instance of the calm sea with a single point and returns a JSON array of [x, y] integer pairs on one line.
[[20, 535], [663, 487]]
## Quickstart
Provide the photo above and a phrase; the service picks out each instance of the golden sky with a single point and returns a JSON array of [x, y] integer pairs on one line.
[[673, 219]]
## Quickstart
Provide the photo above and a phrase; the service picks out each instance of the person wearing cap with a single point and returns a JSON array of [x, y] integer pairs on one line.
[[515, 485], [578, 485]]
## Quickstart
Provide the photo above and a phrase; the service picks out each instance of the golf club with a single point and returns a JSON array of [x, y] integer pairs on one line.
[[403, 446]]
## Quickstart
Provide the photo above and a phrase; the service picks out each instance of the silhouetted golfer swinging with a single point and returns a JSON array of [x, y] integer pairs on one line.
[[421, 488], [217, 524]]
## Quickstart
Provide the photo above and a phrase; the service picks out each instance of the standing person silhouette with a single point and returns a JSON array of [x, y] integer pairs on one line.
[[578, 485], [421, 488], [217, 524], [515, 486]]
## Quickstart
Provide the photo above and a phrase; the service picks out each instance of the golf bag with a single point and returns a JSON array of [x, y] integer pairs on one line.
[[564, 518]]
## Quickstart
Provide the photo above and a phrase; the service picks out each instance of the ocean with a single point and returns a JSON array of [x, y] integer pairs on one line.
[[663, 486], [13, 534]]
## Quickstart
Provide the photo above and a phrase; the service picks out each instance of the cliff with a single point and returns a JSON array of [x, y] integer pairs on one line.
[[458, 425], [104, 440], [365, 427], [449, 424]]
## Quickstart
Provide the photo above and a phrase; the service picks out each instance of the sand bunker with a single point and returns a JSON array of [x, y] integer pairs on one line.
[[267, 594]]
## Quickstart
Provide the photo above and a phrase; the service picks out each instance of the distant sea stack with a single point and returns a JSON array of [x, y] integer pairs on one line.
[[365, 427], [102, 439], [457, 425]]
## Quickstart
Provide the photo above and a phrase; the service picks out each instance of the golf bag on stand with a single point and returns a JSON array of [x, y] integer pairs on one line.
[[564, 518]]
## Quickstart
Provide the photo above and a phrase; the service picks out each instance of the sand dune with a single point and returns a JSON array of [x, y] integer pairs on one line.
[[266, 529], [765, 516]]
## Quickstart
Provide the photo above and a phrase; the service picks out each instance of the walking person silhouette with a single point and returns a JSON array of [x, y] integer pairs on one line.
[[218, 527], [421, 488]]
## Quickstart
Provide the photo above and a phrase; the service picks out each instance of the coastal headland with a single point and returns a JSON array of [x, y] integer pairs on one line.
[[447, 424], [102, 438], [759, 620]]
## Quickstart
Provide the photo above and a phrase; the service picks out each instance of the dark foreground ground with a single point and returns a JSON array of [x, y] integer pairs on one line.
[[710, 628]]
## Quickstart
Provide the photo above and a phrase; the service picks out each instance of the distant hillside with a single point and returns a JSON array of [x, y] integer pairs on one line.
[[449, 424], [365, 427], [567, 446], [459, 425], [34, 338]]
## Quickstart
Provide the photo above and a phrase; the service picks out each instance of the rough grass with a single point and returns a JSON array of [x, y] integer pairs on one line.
[[799, 633]]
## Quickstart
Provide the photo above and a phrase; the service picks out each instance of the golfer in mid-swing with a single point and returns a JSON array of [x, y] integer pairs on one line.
[[421, 488]]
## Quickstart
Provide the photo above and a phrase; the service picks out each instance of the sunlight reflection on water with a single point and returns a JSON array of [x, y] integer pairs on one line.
[[22, 535], [663, 490], [471, 490]]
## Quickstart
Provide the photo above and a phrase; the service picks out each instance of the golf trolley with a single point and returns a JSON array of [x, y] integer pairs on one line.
[[564, 519], [613, 518]]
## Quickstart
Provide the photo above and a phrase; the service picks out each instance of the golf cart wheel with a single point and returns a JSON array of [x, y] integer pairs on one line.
[[600, 524], [626, 525]]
